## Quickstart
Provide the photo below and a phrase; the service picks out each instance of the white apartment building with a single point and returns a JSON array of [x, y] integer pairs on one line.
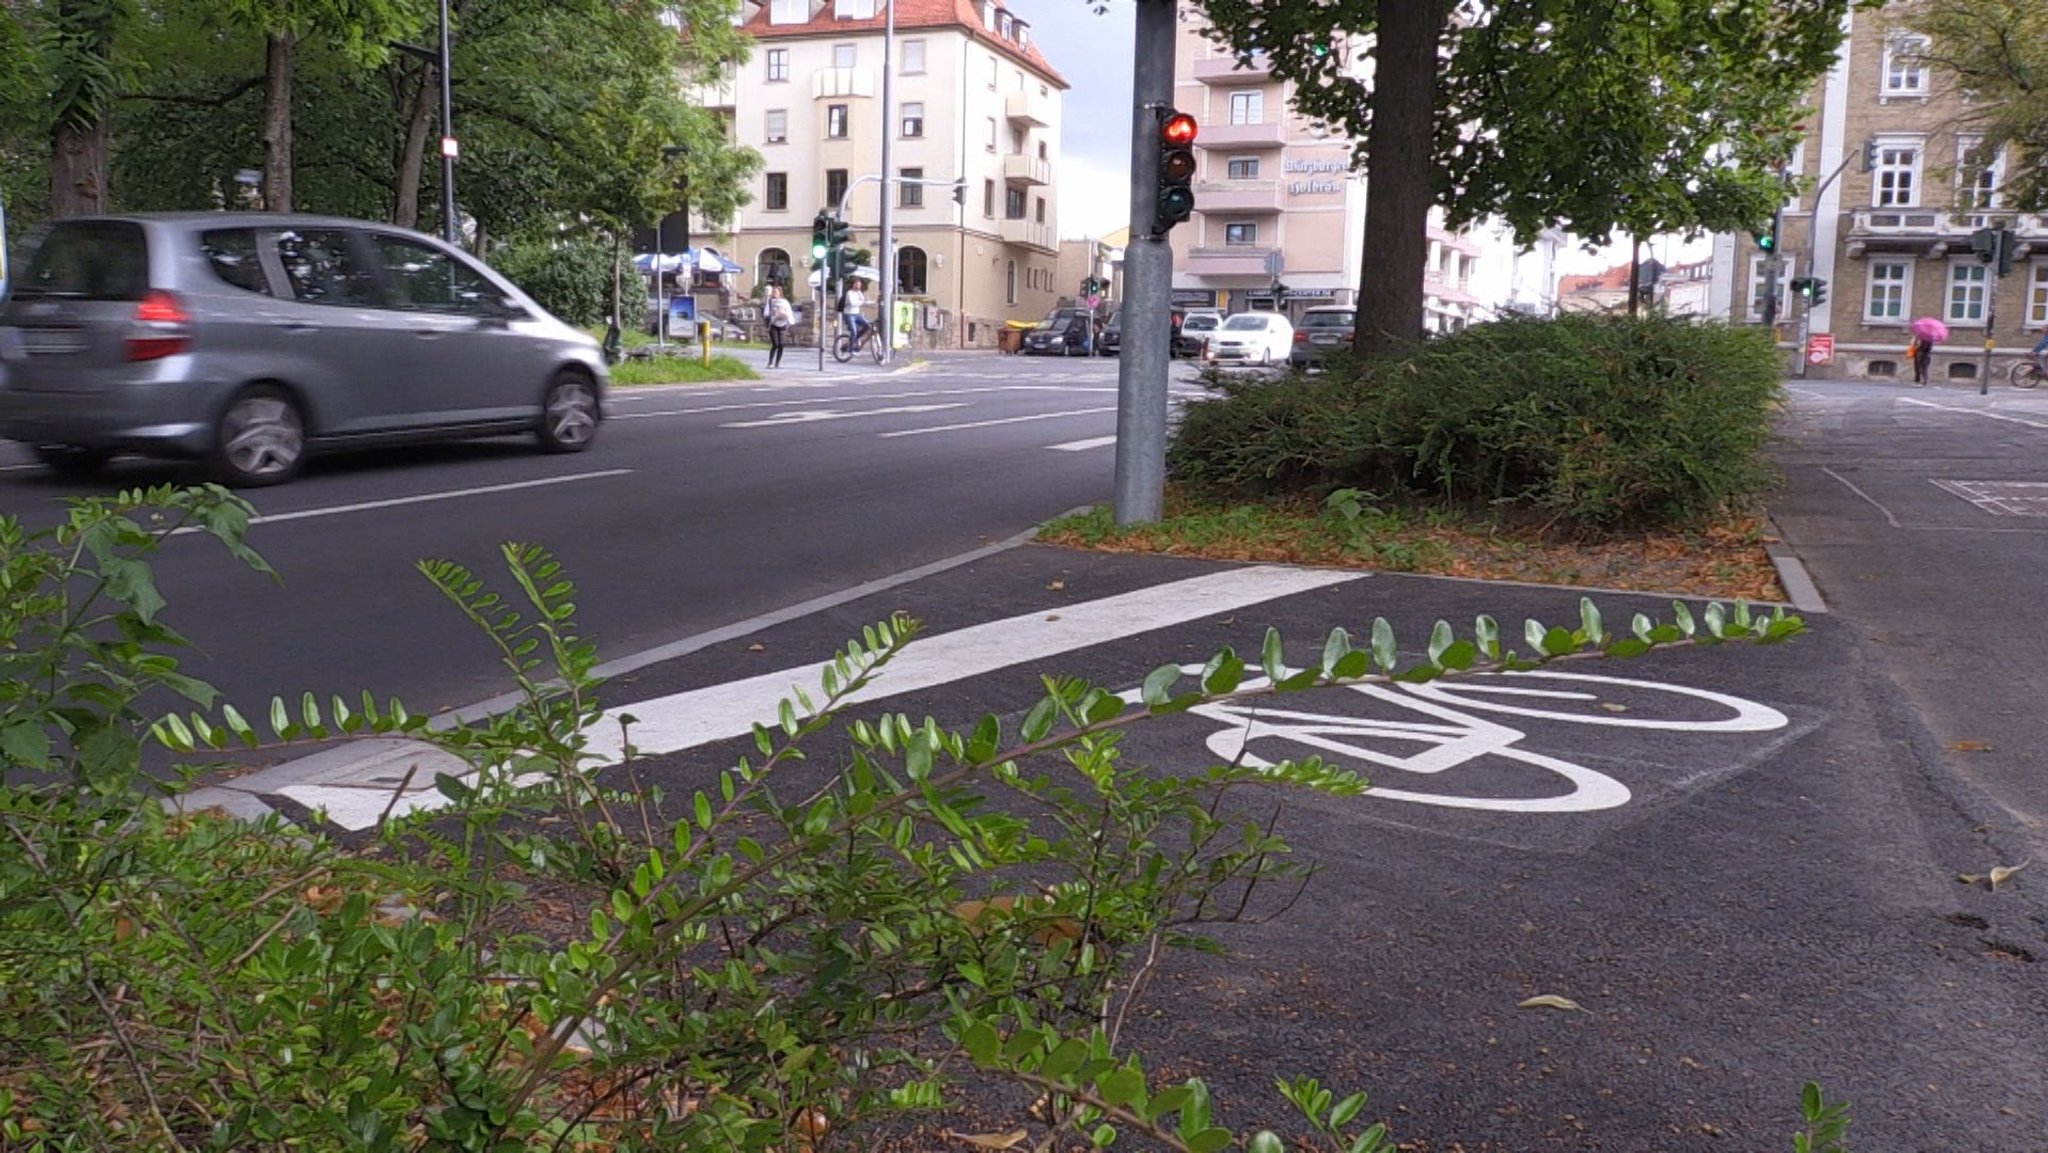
[[975, 103]]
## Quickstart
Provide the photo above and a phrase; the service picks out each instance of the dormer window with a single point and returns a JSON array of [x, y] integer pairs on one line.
[[789, 11], [1023, 34], [853, 9], [1008, 27], [988, 15]]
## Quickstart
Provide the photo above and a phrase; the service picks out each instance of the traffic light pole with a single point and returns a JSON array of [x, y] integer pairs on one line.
[[1147, 353], [1992, 275], [1773, 266]]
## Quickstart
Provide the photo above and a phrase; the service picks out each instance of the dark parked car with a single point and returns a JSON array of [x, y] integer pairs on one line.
[[1110, 341], [1064, 333], [1320, 332], [250, 339]]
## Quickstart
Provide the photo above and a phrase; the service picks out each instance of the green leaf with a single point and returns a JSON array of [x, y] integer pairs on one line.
[[1208, 1140], [1102, 1136], [1385, 653], [1271, 654], [1440, 639], [1589, 621], [25, 743], [987, 738], [1064, 1059], [981, 1043], [1223, 674], [1121, 1086], [703, 806], [1265, 1141], [1560, 641], [1346, 1110], [1040, 720], [1335, 648], [1486, 635], [1159, 685]]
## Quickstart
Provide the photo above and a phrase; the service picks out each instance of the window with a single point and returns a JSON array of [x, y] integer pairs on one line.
[[1756, 285], [777, 198], [429, 280], [1040, 210], [2037, 296], [853, 9], [232, 254], [1017, 136], [1013, 204], [910, 195], [1244, 168], [913, 117], [1898, 175], [1905, 66], [988, 198], [1041, 151], [1891, 287], [772, 267], [910, 271], [991, 134], [90, 260], [1977, 177], [1247, 108], [789, 12], [776, 131], [1010, 282], [913, 56], [321, 268], [778, 61], [835, 121], [1966, 280], [1240, 234], [993, 68], [835, 187], [843, 55]]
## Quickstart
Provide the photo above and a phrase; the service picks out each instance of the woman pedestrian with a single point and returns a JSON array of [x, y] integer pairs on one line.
[[781, 317], [1927, 332]]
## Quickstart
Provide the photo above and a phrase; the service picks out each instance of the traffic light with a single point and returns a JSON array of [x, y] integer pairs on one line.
[[2008, 244], [821, 236], [960, 192], [1176, 200], [1766, 239], [838, 232], [1818, 292], [1802, 287], [1984, 244]]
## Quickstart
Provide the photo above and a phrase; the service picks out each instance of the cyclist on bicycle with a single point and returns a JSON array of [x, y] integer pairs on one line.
[[2041, 353], [850, 303]]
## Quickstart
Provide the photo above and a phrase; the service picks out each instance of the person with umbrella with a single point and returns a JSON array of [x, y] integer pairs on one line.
[[1927, 332]]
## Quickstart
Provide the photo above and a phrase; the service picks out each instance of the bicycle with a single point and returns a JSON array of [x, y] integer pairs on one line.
[[2027, 374], [844, 348]]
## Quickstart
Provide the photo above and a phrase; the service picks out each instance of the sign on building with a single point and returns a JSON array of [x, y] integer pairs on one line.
[[1820, 348]]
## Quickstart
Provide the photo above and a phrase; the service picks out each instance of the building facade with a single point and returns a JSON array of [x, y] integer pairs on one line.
[[976, 117], [1278, 203], [1901, 188]]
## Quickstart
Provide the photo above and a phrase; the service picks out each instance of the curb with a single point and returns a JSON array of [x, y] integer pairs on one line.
[[1792, 574]]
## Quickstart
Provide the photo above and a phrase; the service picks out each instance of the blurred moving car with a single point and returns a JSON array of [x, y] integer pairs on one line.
[[1321, 331], [1251, 338], [249, 340], [1193, 329]]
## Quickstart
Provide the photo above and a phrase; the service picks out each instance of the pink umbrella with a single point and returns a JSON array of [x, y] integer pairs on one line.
[[1930, 330]]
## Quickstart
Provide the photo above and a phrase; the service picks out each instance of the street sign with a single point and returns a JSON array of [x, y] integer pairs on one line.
[[1820, 348], [1091, 301], [1275, 264]]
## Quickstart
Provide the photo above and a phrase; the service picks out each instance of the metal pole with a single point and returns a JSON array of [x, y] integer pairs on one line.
[[1991, 279], [447, 138], [660, 304], [1146, 356], [886, 260]]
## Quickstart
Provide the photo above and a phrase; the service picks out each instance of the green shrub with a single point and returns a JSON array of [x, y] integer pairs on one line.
[[571, 278], [1601, 422]]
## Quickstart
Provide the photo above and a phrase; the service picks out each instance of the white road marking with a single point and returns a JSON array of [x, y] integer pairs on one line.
[[1003, 420], [422, 498], [1974, 412], [1872, 501], [17, 467], [812, 415], [855, 398], [1085, 445]]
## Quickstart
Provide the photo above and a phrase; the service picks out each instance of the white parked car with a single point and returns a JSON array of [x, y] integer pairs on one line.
[[1251, 338]]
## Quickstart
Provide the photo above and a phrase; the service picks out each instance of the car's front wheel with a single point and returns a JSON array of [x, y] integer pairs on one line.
[[569, 413], [260, 439]]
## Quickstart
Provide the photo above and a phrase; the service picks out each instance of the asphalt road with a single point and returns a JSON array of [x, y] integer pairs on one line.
[[697, 507]]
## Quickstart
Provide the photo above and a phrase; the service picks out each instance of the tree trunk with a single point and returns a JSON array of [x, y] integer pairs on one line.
[[1397, 191], [405, 211], [277, 122], [1635, 274], [78, 167]]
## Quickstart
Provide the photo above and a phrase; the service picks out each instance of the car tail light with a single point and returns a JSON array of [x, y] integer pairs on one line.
[[1300, 337], [161, 328]]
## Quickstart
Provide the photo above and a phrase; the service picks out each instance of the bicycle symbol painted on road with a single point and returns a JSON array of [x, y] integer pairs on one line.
[[1455, 734]]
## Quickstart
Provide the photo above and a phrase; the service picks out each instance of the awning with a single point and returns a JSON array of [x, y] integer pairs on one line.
[[703, 259]]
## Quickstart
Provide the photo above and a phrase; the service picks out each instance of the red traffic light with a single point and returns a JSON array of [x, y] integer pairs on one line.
[[1179, 129]]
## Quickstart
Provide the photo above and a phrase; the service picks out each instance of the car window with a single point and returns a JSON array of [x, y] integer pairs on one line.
[[232, 254], [321, 267], [1329, 320], [430, 280], [89, 260], [1244, 322], [1200, 323]]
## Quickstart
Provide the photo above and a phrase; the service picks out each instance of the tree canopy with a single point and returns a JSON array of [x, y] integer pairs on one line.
[[1997, 50]]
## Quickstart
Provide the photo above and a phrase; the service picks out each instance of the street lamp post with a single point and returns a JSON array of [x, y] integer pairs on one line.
[[886, 264], [447, 138], [668, 152]]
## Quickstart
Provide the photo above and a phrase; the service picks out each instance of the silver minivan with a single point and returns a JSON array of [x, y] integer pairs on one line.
[[251, 339]]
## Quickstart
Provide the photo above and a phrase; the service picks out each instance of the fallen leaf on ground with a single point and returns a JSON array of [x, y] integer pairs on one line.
[[1010, 1140], [755, 648], [1999, 874], [1057, 585], [1548, 1001], [1969, 746]]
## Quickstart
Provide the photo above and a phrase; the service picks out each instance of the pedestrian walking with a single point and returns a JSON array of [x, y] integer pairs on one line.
[[781, 318], [1927, 332]]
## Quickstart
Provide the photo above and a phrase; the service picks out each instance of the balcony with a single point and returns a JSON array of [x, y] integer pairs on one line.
[[1226, 70], [1272, 134], [1026, 170], [828, 83], [1234, 260], [1248, 197], [1026, 106], [1936, 232], [1029, 233]]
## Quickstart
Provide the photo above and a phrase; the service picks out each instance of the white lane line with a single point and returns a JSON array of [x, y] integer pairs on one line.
[[990, 423], [700, 716], [1974, 412], [1872, 501], [422, 498], [17, 467], [1085, 445], [811, 415], [854, 398]]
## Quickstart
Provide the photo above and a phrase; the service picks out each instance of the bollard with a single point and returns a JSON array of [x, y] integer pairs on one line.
[[704, 342]]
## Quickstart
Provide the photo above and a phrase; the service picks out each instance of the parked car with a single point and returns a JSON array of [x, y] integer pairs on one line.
[[251, 339], [1110, 341], [1251, 338], [1193, 330], [1321, 331], [1064, 333]]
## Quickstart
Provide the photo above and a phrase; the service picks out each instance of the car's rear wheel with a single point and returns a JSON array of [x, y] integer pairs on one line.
[[261, 438], [71, 459], [568, 418]]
